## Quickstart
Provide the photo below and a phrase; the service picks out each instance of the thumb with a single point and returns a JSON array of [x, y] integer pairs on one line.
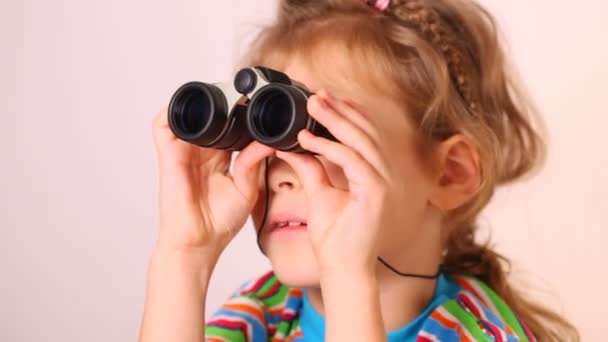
[[246, 170]]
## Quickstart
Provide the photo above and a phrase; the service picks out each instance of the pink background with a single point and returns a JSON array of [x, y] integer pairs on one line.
[[80, 82]]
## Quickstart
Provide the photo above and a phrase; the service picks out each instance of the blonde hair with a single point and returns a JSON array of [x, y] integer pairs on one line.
[[443, 61]]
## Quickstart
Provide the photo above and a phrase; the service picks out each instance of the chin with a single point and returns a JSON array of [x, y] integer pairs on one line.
[[293, 261]]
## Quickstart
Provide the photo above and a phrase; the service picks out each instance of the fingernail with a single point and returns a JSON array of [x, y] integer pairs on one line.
[[305, 132]]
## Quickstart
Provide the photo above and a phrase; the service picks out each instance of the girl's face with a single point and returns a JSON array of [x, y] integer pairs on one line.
[[290, 251]]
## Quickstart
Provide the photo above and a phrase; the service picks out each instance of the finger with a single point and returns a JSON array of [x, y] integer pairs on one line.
[[358, 171], [168, 147], [162, 133], [353, 113], [161, 119], [309, 169], [346, 132], [159, 125], [246, 169]]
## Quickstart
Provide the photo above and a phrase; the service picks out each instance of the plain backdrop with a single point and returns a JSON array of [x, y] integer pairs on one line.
[[80, 82]]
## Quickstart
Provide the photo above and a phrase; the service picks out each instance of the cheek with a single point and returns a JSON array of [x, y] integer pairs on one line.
[[258, 211], [410, 190], [409, 165]]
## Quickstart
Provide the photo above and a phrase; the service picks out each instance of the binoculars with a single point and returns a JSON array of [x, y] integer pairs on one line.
[[260, 103]]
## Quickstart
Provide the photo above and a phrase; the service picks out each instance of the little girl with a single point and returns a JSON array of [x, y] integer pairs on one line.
[[372, 238]]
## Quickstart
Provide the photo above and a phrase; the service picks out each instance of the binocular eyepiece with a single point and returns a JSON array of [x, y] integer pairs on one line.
[[261, 104]]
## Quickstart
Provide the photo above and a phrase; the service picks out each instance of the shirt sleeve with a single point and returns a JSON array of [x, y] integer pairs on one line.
[[240, 319]]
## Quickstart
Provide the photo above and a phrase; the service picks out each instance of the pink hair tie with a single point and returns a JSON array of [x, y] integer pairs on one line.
[[380, 5]]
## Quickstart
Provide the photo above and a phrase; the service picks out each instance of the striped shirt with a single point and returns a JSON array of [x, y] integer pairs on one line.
[[462, 309]]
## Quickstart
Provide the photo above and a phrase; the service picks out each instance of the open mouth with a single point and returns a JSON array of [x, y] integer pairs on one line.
[[285, 225]]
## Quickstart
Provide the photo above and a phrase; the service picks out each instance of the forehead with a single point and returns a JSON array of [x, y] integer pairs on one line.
[[341, 83], [315, 79]]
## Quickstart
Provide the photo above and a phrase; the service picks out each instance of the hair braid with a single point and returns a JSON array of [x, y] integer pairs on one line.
[[428, 22]]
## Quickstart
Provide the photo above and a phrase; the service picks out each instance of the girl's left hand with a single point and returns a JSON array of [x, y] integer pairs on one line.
[[344, 225]]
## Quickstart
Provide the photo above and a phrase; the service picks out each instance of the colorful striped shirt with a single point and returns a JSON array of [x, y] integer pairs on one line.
[[462, 309]]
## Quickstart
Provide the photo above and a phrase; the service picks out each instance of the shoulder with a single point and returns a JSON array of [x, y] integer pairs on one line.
[[259, 309], [475, 313]]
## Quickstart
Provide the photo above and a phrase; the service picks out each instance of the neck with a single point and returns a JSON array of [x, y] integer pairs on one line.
[[402, 299]]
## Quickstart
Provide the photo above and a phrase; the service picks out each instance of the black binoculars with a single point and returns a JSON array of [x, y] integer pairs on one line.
[[261, 104]]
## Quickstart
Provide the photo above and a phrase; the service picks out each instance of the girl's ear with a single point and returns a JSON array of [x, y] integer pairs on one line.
[[459, 174]]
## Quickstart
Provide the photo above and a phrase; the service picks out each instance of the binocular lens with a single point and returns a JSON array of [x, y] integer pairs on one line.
[[197, 113], [274, 115], [193, 111]]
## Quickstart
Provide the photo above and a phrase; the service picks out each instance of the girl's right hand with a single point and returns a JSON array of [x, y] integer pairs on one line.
[[203, 206]]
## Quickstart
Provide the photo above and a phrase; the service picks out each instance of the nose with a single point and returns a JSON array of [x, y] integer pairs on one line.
[[282, 177]]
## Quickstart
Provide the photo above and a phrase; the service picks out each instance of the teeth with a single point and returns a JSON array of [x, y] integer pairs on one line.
[[288, 223]]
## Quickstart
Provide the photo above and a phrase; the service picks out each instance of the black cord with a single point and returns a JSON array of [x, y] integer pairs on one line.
[[259, 233], [423, 276]]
